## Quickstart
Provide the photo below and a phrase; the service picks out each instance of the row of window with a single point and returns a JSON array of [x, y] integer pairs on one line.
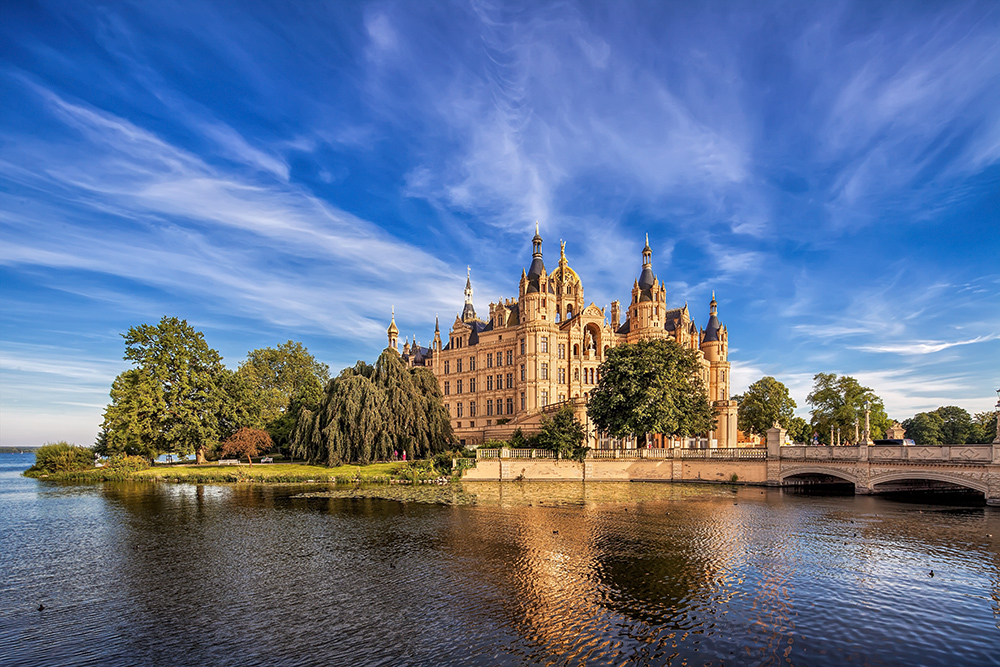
[[497, 407], [492, 407], [590, 376], [492, 381], [498, 359]]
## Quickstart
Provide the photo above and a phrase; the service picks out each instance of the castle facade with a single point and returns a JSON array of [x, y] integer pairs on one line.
[[542, 350]]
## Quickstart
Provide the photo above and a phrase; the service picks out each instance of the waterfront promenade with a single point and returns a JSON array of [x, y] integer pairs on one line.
[[872, 469]]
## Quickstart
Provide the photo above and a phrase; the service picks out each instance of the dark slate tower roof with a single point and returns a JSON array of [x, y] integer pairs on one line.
[[537, 266], [713, 326], [646, 279]]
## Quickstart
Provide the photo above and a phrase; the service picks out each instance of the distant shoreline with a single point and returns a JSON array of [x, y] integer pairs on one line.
[[18, 450]]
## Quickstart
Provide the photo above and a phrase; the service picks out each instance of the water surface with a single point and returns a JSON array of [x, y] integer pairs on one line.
[[503, 574]]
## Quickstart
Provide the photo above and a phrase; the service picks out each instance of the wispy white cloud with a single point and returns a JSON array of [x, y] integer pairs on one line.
[[923, 347], [135, 174]]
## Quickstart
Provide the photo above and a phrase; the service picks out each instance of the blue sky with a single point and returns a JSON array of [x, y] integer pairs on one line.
[[273, 172]]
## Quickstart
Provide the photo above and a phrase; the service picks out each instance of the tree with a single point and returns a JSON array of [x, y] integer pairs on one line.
[[651, 387], [563, 433], [171, 400], [949, 425], [277, 375], [925, 428], [957, 427], [799, 430], [247, 442], [986, 426], [368, 412], [839, 402], [765, 402], [307, 398]]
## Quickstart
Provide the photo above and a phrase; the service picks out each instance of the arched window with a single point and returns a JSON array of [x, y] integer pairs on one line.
[[569, 311], [576, 349]]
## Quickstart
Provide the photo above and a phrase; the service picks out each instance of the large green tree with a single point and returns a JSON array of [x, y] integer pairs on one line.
[[277, 375], [651, 387], [925, 428], [562, 433], [172, 399], [799, 430], [765, 402], [957, 427], [948, 425], [986, 425], [839, 401], [369, 412]]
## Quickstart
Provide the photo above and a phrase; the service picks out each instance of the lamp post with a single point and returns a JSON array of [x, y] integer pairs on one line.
[[868, 431], [996, 440]]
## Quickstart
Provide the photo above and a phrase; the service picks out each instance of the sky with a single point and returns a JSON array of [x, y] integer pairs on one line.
[[293, 171]]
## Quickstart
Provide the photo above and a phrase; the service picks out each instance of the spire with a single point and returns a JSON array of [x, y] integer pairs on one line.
[[393, 331], [646, 279], [437, 327], [537, 265], [468, 312], [536, 243]]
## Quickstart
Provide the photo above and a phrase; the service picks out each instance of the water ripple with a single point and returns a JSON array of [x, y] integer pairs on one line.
[[550, 574]]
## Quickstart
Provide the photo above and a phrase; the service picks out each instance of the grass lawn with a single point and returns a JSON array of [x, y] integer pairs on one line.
[[270, 472], [259, 472]]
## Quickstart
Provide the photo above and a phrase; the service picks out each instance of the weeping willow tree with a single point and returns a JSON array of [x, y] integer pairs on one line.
[[370, 412]]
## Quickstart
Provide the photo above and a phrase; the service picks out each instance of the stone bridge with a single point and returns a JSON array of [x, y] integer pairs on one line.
[[870, 468]]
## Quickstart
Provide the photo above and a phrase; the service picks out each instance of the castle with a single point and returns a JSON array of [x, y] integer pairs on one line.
[[535, 353]]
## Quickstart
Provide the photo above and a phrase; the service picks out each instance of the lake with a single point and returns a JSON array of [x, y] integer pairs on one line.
[[490, 574]]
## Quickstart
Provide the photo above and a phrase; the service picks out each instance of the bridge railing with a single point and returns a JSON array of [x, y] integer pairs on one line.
[[726, 453], [914, 453]]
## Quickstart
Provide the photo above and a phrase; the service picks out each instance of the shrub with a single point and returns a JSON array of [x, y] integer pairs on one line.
[[442, 462], [123, 463], [62, 457]]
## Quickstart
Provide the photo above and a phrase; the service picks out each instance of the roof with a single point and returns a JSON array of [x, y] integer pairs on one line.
[[712, 329]]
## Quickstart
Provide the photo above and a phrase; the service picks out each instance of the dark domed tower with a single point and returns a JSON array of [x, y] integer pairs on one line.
[[649, 302], [535, 287]]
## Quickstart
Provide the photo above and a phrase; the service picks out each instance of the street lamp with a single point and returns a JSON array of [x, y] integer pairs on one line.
[[996, 440], [868, 428]]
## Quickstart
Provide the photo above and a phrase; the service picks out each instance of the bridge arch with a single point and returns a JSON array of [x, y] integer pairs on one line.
[[918, 475], [817, 470]]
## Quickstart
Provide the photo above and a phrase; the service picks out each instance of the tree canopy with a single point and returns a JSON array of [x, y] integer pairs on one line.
[[562, 433], [277, 375], [172, 399], [247, 442], [950, 425], [765, 402], [651, 387], [369, 412], [840, 401]]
